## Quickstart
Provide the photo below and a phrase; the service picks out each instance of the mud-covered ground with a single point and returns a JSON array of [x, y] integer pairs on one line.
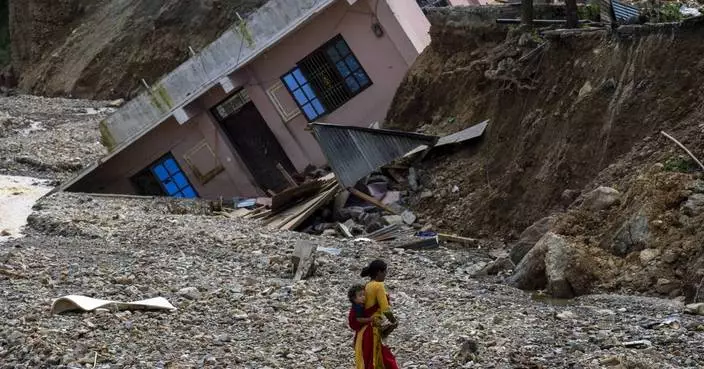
[[246, 312], [49, 138]]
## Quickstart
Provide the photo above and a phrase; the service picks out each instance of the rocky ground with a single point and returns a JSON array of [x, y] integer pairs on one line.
[[49, 138], [238, 307]]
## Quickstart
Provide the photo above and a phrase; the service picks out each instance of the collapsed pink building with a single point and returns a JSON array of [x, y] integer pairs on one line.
[[233, 118]]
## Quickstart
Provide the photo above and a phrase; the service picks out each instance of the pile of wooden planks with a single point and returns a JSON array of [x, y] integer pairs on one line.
[[290, 208]]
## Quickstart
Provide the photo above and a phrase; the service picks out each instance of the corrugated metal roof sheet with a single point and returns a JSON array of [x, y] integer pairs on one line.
[[354, 152], [624, 12]]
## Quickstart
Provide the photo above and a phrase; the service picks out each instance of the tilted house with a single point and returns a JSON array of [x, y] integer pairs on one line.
[[232, 117]]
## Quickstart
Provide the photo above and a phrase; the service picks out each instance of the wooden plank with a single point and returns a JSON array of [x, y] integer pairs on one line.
[[287, 176], [239, 213], [371, 200], [427, 243], [324, 199], [457, 239], [291, 195], [281, 219], [344, 230]]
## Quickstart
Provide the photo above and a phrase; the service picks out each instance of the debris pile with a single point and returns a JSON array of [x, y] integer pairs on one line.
[[374, 207]]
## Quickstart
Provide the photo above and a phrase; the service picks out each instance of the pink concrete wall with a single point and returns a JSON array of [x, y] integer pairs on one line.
[[385, 59], [381, 58], [414, 25], [114, 176]]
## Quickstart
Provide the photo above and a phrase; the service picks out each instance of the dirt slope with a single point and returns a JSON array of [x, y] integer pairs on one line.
[[557, 119], [579, 112], [102, 49]]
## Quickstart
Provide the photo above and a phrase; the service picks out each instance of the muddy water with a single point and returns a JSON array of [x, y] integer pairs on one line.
[[547, 299], [17, 196]]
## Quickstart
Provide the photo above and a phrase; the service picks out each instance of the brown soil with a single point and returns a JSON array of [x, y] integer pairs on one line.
[[583, 112], [103, 49], [544, 138]]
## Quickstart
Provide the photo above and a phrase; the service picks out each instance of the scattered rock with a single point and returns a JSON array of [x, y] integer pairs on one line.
[[566, 315], [116, 103], [585, 90], [601, 198], [408, 217], [665, 286], [697, 308], [190, 293], [641, 344], [5, 233], [468, 351], [694, 205], [393, 219], [426, 194], [648, 255], [413, 179]]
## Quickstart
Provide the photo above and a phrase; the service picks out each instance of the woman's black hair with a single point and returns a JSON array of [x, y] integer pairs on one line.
[[374, 268], [352, 292]]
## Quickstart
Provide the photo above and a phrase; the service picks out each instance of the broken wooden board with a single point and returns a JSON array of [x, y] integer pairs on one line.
[[457, 239], [322, 199], [372, 200], [295, 215], [303, 259], [422, 244], [344, 230], [292, 195], [286, 175]]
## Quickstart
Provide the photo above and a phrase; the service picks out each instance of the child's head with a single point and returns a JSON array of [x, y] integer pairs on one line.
[[356, 294]]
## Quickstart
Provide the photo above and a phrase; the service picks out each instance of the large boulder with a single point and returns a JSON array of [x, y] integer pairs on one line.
[[552, 264], [634, 235], [530, 272], [529, 237], [601, 198]]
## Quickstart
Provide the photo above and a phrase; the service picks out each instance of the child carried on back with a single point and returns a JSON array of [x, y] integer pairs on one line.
[[358, 317]]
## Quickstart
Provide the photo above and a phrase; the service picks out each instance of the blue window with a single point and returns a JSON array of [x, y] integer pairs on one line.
[[303, 93], [172, 179], [326, 79]]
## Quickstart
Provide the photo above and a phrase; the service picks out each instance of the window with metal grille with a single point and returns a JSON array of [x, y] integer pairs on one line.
[[326, 79], [232, 104]]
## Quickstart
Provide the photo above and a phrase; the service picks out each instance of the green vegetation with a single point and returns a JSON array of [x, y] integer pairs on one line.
[[106, 138], [680, 164], [589, 12], [243, 30]]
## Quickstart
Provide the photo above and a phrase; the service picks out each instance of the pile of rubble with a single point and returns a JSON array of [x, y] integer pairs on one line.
[[50, 138], [374, 207], [238, 302]]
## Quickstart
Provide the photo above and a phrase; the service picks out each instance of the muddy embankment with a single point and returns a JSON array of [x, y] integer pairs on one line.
[[569, 113], [102, 49]]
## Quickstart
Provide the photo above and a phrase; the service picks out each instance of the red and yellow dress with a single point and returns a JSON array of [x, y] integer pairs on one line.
[[369, 351]]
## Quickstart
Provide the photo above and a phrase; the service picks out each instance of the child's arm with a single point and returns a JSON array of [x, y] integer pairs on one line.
[[364, 320]]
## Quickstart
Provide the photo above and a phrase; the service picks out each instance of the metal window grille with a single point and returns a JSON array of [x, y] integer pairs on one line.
[[326, 79], [232, 105]]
